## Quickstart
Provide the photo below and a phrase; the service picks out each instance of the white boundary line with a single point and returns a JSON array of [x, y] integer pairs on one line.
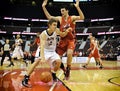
[[55, 83], [6, 73]]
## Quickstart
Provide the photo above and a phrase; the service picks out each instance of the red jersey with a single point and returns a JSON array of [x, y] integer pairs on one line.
[[66, 24], [91, 46], [95, 54], [37, 40]]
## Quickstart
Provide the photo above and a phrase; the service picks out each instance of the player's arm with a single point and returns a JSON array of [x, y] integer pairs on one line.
[[2, 50], [32, 43], [89, 49], [47, 13], [63, 34], [21, 41], [42, 44], [95, 45], [81, 15]]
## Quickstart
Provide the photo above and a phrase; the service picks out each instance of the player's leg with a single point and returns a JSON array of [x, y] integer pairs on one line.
[[69, 61], [54, 68], [86, 64], [3, 57], [21, 57], [30, 70], [101, 63], [70, 49], [55, 62], [88, 60], [97, 62], [11, 62], [61, 50]]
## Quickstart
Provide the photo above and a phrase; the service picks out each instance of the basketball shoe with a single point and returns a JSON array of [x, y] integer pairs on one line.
[[25, 81], [67, 74]]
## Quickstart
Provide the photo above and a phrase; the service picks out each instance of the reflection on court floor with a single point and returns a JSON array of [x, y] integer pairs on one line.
[[89, 79]]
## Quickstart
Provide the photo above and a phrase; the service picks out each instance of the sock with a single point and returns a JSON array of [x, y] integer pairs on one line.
[[54, 76], [62, 67], [27, 76], [68, 66]]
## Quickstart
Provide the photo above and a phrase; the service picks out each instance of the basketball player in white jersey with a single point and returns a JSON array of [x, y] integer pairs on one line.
[[18, 52], [47, 51]]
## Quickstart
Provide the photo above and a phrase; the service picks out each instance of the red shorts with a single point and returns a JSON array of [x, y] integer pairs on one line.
[[64, 45], [95, 54]]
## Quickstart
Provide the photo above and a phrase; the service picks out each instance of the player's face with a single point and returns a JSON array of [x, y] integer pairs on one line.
[[53, 26], [64, 12], [18, 36], [7, 41]]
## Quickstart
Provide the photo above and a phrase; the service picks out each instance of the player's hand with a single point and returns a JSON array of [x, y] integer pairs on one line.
[[77, 3], [92, 52], [69, 29], [88, 50], [13, 45], [44, 3], [9, 49]]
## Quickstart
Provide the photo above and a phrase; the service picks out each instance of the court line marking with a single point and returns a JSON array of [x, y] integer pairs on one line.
[[87, 83], [95, 68], [65, 85], [55, 83], [110, 81], [6, 73]]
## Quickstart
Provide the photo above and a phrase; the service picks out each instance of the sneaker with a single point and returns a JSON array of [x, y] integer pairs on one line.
[[67, 74], [101, 67], [97, 63], [25, 81], [54, 77], [84, 66]]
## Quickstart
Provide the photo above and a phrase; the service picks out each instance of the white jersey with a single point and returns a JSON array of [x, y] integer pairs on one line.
[[18, 42], [18, 52], [50, 42], [49, 48]]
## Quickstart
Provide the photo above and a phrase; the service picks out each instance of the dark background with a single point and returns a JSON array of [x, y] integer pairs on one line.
[[91, 10]]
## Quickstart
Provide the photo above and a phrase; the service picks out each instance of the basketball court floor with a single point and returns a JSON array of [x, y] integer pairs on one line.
[[89, 79]]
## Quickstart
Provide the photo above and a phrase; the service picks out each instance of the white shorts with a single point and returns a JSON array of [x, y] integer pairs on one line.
[[50, 57], [18, 53]]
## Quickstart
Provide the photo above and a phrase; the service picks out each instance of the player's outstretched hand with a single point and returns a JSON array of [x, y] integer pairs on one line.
[[77, 3], [44, 3]]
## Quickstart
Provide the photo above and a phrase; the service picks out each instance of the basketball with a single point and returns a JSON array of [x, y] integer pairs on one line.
[[45, 77]]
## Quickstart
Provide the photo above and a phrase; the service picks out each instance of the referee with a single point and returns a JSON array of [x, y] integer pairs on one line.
[[6, 52]]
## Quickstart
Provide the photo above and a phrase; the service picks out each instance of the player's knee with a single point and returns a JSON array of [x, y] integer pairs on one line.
[[56, 65], [69, 54]]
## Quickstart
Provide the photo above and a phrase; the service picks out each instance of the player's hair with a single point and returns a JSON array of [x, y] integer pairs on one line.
[[64, 6], [51, 21]]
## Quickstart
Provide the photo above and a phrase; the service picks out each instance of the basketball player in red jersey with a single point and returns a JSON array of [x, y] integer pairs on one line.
[[94, 52], [36, 42], [67, 43]]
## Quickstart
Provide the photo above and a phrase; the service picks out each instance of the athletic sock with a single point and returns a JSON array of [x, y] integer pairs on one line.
[[54, 76], [62, 67]]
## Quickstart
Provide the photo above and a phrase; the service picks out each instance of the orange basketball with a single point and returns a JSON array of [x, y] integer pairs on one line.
[[46, 77]]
